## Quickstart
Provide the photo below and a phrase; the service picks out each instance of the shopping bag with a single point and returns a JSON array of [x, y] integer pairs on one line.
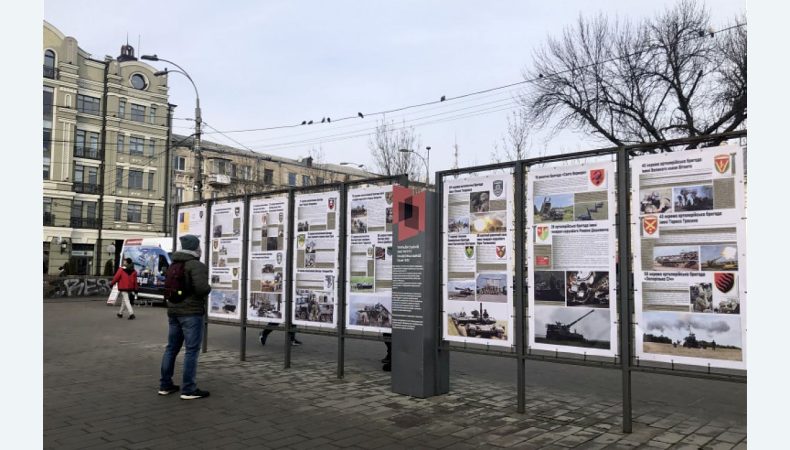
[[112, 300]]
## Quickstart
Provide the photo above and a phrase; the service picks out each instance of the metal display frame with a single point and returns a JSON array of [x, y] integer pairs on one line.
[[625, 361]]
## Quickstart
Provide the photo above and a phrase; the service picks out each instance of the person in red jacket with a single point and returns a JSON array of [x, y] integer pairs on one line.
[[126, 279]]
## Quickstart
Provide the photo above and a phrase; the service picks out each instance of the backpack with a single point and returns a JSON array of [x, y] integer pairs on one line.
[[176, 283]]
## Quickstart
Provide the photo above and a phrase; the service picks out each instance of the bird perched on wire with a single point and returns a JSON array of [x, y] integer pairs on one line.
[[323, 119], [442, 99], [360, 115], [310, 122], [304, 122], [328, 119]]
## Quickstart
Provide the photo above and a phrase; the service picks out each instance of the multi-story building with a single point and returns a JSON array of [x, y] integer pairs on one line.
[[106, 124], [228, 171]]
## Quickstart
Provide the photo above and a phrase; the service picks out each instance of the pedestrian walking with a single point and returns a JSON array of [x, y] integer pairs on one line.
[[126, 279], [185, 314], [264, 334]]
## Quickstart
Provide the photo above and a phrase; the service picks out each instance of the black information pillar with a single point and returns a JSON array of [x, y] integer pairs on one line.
[[417, 368]]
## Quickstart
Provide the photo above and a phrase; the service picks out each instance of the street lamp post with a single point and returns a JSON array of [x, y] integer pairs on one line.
[[427, 162], [198, 120]]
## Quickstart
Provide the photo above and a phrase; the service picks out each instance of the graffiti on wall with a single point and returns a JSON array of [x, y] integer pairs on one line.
[[75, 286]]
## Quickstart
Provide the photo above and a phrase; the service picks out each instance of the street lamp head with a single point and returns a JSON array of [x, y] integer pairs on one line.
[[404, 150], [150, 57], [428, 148]]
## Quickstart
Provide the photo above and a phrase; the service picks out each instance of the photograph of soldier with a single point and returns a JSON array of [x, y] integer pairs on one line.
[[693, 198], [656, 202], [478, 201], [701, 297]]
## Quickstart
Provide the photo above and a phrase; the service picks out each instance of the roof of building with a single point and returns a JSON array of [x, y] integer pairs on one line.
[[187, 141]]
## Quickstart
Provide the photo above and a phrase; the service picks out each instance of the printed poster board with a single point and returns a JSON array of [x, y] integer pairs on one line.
[[478, 260], [192, 220], [370, 253], [315, 259], [689, 245], [225, 258], [571, 259], [266, 268]]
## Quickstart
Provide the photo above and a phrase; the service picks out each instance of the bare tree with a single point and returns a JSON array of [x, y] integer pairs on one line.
[[515, 143], [385, 145], [625, 82]]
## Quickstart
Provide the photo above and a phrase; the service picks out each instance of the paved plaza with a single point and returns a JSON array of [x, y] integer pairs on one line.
[[101, 378]]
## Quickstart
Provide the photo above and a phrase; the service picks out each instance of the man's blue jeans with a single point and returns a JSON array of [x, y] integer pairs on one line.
[[187, 331]]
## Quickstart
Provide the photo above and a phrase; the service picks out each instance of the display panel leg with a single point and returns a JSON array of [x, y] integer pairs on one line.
[[624, 246]]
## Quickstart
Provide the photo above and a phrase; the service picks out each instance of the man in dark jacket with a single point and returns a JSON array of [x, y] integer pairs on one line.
[[186, 322]]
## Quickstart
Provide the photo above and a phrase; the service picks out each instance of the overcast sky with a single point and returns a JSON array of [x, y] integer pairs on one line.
[[262, 64]]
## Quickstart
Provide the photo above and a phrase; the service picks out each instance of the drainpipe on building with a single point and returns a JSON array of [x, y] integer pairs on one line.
[[98, 248], [168, 169]]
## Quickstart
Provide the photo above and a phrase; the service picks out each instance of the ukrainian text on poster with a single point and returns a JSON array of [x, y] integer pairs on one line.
[[192, 220], [689, 246], [369, 253], [315, 259], [571, 259], [478, 260], [266, 268], [225, 253]]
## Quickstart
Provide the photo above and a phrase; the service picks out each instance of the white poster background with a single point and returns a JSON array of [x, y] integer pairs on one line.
[[271, 214], [651, 174], [571, 250], [192, 220], [313, 208], [460, 221], [224, 301], [376, 201]]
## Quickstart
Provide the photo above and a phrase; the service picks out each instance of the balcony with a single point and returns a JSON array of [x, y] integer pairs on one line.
[[87, 152], [219, 179], [49, 219], [86, 188], [84, 222], [50, 72]]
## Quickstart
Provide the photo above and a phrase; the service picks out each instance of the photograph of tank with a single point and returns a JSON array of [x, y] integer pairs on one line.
[[223, 302], [574, 327], [701, 295], [490, 222], [461, 290], [709, 336], [477, 323], [492, 287], [369, 311], [676, 258], [264, 306], [313, 306], [458, 225], [656, 202], [591, 211], [479, 201], [361, 284], [549, 286], [588, 289], [553, 208], [693, 198], [719, 257]]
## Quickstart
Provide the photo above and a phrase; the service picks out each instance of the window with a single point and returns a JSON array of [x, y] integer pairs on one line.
[[305, 180], [47, 151], [150, 213], [245, 172], [76, 209], [180, 163], [122, 108], [135, 179], [49, 64], [119, 177], [138, 81], [214, 194], [319, 180], [86, 144], [118, 210], [48, 98], [119, 147], [86, 174], [138, 113], [152, 147], [221, 166], [268, 176], [134, 212], [87, 104], [152, 115], [48, 218], [291, 179], [179, 194], [136, 145], [151, 181], [233, 170]]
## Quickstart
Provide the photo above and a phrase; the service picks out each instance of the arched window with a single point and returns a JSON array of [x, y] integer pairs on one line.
[[49, 64]]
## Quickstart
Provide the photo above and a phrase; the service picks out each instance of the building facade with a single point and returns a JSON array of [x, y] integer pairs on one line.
[[106, 124], [228, 171]]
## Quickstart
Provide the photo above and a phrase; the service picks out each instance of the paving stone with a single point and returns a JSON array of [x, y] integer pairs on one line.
[[729, 436]]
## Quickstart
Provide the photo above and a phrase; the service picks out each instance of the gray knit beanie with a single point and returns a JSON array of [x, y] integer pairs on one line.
[[190, 242]]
